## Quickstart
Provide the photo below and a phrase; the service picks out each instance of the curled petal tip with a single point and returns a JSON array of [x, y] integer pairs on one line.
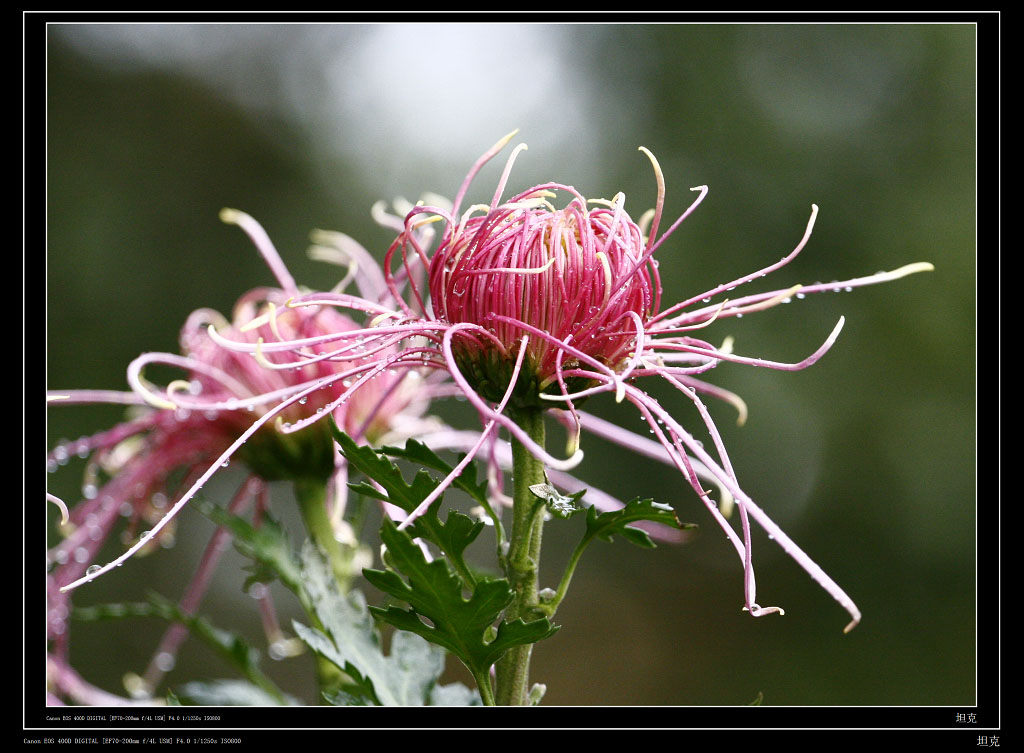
[[64, 517], [759, 611], [654, 161], [741, 408], [159, 402], [154, 400], [853, 623]]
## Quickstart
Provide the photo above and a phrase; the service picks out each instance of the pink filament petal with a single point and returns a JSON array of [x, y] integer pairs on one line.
[[497, 416], [92, 573], [264, 245], [457, 470], [743, 500]]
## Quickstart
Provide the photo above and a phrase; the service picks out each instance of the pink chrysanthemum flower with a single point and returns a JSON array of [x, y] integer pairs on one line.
[[574, 274], [228, 407], [576, 290], [528, 306]]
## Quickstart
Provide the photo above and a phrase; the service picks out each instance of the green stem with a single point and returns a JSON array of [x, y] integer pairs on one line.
[[312, 498], [549, 606], [483, 684], [512, 672]]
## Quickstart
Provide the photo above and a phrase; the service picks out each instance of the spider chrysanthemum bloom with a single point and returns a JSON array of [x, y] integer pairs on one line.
[[533, 304], [575, 273], [227, 407], [231, 405], [573, 294]]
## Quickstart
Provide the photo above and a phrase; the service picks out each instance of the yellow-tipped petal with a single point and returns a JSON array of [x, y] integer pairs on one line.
[[179, 385], [152, 398], [258, 355], [259, 321], [231, 216], [64, 517], [910, 269], [741, 408]]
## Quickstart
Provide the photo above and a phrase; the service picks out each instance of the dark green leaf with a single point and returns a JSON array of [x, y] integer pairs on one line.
[[607, 524], [457, 623], [452, 536], [374, 466], [419, 453]]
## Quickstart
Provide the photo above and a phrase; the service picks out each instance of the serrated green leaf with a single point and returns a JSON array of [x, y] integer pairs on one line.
[[349, 640], [517, 632], [607, 524], [419, 453], [367, 490], [452, 536], [457, 623], [371, 464]]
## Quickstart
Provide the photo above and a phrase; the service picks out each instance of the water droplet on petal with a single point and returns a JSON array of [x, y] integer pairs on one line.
[[164, 661]]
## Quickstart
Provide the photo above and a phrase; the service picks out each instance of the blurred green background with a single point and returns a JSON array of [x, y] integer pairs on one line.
[[866, 459]]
